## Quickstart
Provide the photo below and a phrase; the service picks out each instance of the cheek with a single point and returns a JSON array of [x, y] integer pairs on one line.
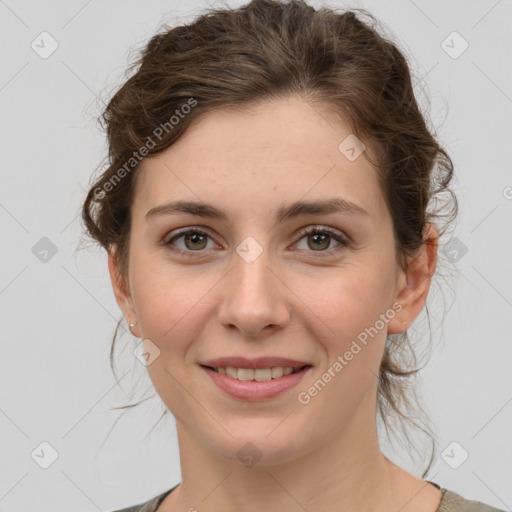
[[172, 308], [170, 303], [346, 301], [350, 305]]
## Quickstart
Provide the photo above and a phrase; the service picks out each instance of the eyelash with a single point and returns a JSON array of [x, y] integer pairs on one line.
[[312, 230]]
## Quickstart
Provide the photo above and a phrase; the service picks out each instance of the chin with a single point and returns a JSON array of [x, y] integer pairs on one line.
[[258, 447]]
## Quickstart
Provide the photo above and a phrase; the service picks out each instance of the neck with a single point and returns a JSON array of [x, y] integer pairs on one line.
[[346, 472]]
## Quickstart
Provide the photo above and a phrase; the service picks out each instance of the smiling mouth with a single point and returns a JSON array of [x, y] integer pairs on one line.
[[260, 374]]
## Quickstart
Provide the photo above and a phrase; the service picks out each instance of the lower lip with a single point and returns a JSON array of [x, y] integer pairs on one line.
[[255, 390]]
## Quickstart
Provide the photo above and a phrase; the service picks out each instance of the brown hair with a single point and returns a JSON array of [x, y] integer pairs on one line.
[[266, 50]]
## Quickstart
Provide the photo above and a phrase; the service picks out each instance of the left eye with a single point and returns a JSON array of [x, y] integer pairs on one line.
[[195, 240], [322, 237]]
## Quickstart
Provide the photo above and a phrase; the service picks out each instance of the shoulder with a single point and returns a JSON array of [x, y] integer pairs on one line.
[[149, 505], [453, 502]]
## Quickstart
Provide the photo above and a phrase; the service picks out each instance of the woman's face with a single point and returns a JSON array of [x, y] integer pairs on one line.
[[252, 285]]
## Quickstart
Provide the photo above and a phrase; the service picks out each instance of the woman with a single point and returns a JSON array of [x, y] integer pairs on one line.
[[266, 216]]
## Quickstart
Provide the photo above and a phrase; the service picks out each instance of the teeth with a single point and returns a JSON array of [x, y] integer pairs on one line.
[[259, 375]]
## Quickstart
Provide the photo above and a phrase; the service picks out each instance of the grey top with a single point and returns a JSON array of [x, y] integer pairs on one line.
[[450, 502]]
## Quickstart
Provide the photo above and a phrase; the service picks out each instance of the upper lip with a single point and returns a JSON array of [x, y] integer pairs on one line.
[[260, 362]]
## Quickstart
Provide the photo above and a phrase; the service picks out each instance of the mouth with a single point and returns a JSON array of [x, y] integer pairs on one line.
[[255, 384], [258, 374]]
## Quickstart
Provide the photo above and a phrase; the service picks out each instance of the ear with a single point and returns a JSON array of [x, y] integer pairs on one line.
[[413, 284], [123, 296]]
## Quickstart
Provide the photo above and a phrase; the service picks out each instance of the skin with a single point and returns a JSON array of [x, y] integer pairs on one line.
[[307, 303]]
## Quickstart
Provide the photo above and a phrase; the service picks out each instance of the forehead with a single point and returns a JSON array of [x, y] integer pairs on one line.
[[276, 152]]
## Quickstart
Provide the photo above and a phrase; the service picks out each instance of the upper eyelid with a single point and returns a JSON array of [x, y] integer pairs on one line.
[[185, 231]]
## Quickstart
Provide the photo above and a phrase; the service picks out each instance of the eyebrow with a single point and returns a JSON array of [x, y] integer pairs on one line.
[[286, 212]]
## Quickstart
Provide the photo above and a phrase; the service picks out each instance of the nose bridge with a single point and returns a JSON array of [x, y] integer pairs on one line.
[[253, 298], [251, 275]]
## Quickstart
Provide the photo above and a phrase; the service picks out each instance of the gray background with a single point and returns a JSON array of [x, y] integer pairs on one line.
[[58, 315]]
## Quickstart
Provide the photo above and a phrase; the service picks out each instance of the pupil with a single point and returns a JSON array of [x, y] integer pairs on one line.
[[194, 238], [322, 239]]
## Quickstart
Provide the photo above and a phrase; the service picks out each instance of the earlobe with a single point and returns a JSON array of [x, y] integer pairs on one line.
[[123, 298]]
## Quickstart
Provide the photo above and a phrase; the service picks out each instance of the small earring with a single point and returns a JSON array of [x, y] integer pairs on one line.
[[131, 328]]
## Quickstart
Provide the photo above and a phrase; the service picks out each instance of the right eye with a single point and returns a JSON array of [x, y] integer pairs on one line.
[[194, 240]]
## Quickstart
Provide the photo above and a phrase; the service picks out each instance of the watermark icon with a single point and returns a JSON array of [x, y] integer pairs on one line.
[[454, 455], [454, 45], [455, 250], [249, 250], [44, 249], [249, 454], [146, 352], [304, 397], [351, 147], [137, 156], [44, 45], [507, 192], [44, 455]]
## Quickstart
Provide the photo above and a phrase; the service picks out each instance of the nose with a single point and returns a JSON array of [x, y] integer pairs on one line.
[[254, 298]]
